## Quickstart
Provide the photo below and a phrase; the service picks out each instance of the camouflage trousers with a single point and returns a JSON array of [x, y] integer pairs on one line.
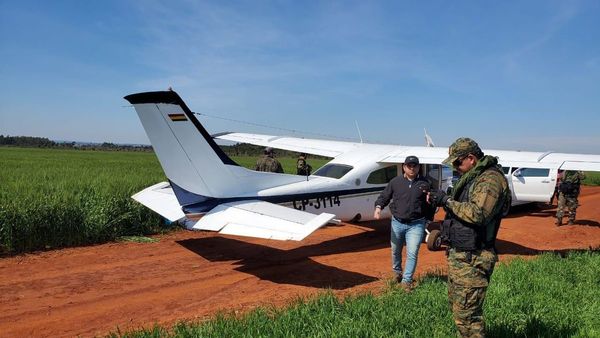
[[568, 202], [468, 278]]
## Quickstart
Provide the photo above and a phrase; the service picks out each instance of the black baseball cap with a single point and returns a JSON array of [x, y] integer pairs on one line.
[[411, 159]]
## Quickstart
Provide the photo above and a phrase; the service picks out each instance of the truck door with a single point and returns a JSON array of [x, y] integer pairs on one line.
[[533, 184]]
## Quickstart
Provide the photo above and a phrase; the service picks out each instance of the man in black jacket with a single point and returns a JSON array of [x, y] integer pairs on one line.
[[410, 211]]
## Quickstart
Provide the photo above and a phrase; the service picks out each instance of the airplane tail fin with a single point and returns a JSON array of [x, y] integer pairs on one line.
[[199, 171], [189, 156]]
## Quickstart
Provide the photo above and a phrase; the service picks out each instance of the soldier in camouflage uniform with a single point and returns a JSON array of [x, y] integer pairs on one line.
[[268, 162], [473, 212], [302, 167], [568, 191]]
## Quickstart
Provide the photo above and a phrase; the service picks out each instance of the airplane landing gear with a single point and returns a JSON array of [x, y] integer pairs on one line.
[[433, 237]]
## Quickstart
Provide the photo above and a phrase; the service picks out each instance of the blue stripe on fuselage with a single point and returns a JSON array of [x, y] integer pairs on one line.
[[192, 203]]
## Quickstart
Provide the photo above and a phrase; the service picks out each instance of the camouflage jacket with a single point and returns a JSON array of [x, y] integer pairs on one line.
[[574, 177], [268, 163], [488, 197]]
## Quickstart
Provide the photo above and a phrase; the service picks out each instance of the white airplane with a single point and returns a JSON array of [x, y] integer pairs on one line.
[[209, 191]]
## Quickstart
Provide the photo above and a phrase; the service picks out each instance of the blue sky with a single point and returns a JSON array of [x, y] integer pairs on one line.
[[512, 75]]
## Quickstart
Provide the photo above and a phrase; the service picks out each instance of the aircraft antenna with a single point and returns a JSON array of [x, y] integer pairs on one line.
[[428, 140], [359, 135]]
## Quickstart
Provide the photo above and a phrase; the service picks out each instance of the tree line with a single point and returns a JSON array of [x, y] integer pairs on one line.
[[240, 149], [43, 142]]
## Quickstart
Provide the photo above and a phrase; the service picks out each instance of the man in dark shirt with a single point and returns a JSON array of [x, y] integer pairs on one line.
[[410, 211]]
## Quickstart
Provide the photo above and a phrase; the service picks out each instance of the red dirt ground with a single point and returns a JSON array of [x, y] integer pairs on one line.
[[192, 275]]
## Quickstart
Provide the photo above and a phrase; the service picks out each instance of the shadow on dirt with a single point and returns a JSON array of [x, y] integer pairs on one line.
[[587, 222], [294, 266], [504, 247], [532, 209]]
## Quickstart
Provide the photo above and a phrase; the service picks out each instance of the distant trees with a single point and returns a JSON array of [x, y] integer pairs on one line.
[[240, 149], [26, 141], [42, 142]]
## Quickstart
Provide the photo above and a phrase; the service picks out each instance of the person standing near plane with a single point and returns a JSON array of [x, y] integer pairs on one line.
[[302, 167], [268, 162], [410, 210], [479, 200], [568, 191], [559, 176]]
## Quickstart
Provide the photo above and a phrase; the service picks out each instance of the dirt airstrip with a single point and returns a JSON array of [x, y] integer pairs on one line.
[[192, 275]]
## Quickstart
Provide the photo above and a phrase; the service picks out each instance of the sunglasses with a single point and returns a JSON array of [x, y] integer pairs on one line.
[[459, 161]]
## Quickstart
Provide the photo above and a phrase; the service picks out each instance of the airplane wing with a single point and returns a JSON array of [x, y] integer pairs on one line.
[[260, 219], [585, 162], [161, 199], [302, 145], [429, 155]]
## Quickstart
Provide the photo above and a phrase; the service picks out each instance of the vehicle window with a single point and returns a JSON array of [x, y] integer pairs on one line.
[[446, 171], [383, 175], [505, 170], [333, 170], [534, 172]]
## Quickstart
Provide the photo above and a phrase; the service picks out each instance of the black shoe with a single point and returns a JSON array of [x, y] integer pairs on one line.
[[558, 222], [571, 222]]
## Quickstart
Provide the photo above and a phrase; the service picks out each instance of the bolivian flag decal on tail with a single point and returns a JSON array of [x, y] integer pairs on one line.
[[177, 117]]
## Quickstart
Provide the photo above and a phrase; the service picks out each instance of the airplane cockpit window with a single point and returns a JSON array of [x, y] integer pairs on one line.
[[333, 170], [383, 175]]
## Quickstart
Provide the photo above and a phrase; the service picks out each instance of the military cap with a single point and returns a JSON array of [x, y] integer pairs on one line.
[[462, 147], [411, 159]]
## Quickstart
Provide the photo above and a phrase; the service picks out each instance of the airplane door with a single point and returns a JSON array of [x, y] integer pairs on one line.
[[440, 175], [433, 173], [533, 184]]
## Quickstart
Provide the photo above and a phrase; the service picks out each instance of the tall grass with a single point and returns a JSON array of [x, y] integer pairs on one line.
[[52, 198], [56, 198], [592, 178], [546, 297]]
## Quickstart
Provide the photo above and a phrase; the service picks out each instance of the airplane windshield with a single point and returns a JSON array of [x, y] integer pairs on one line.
[[333, 170]]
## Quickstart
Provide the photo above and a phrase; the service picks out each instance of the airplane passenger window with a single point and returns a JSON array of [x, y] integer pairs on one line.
[[534, 172], [333, 170], [383, 175]]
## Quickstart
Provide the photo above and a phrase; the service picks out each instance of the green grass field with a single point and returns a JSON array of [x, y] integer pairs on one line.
[[592, 178], [549, 296], [52, 198]]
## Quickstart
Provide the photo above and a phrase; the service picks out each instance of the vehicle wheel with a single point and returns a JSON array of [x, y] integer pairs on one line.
[[434, 240]]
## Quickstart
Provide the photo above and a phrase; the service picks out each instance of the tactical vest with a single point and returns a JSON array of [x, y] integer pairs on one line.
[[569, 188], [466, 236]]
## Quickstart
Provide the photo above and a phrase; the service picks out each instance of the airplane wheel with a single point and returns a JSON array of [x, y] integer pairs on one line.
[[434, 241]]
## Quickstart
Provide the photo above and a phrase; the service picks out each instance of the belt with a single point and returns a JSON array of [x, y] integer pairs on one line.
[[492, 249], [409, 220]]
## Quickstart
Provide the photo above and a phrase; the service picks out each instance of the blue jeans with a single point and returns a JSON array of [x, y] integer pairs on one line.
[[411, 234]]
